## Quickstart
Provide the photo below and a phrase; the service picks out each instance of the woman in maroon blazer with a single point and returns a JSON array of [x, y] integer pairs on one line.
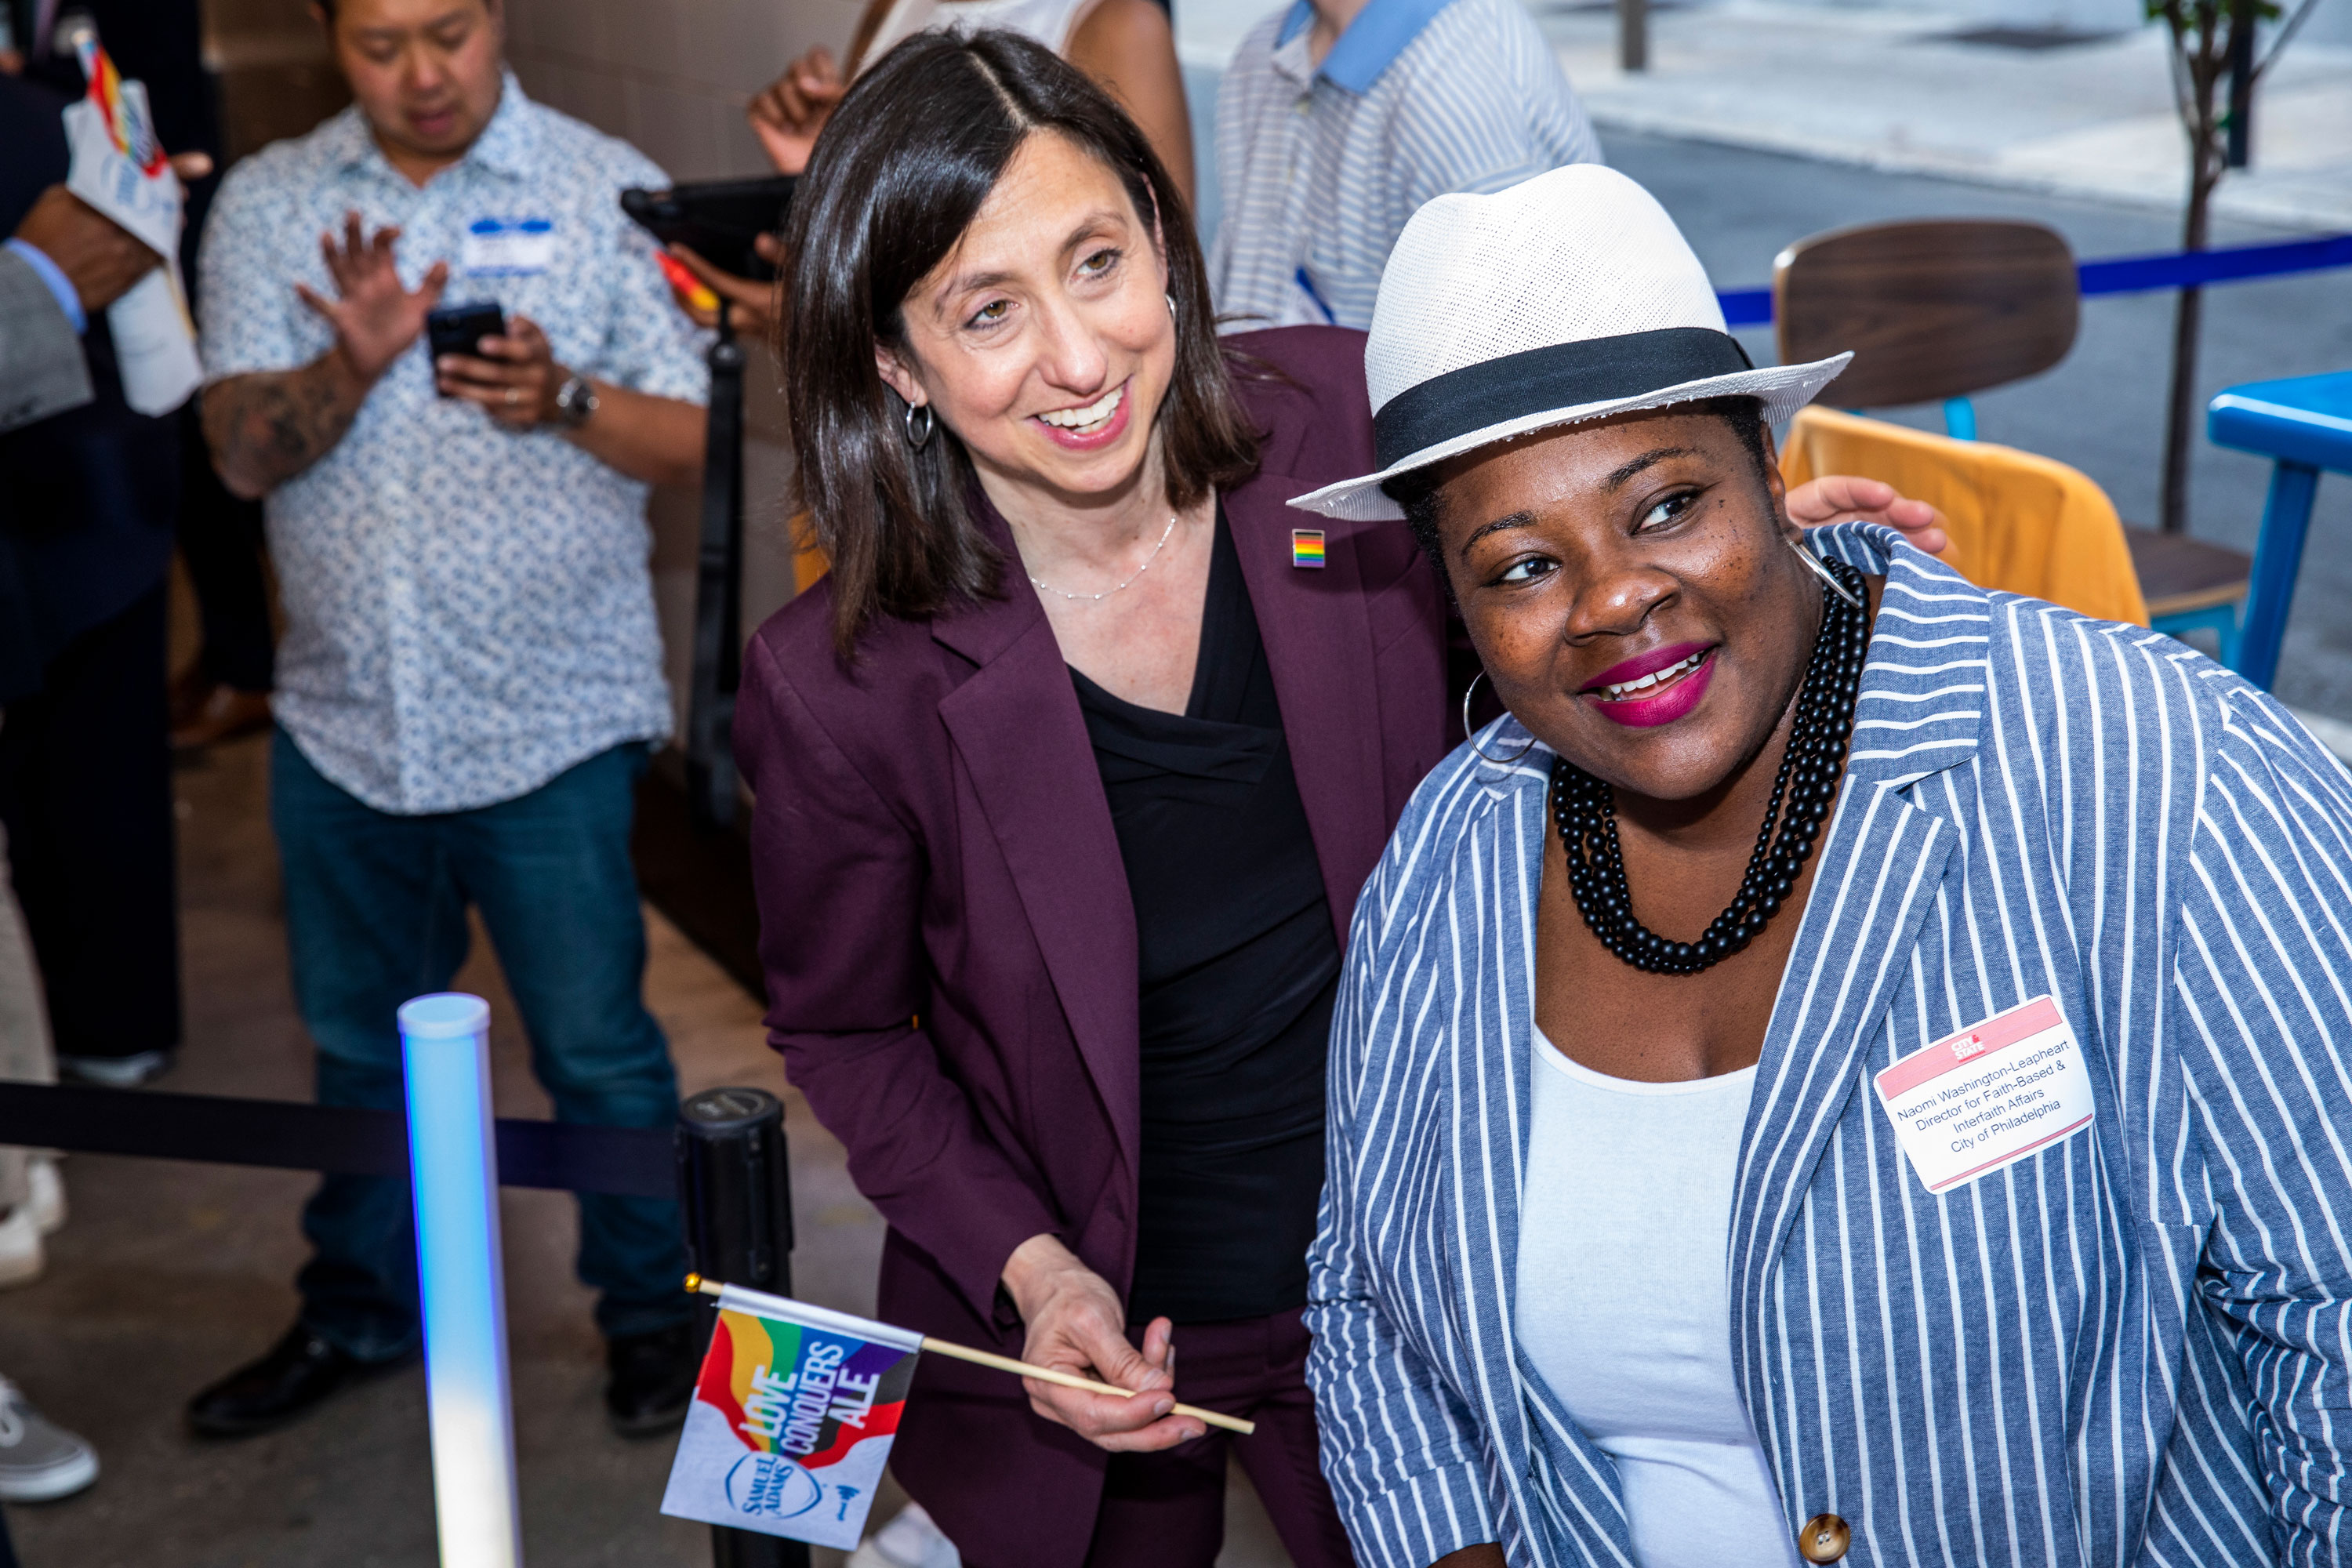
[[1075, 708], [1067, 775]]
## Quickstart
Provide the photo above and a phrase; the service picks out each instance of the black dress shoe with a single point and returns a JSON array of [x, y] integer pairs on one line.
[[299, 1373], [652, 1379]]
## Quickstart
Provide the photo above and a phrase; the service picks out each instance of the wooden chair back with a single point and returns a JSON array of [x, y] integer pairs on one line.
[[1932, 309]]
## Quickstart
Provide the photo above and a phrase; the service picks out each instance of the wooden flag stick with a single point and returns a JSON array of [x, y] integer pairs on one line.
[[1067, 1380], [1026, 1369]]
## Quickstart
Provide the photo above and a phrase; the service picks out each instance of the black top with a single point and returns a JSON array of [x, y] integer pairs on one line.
[[1239, 964]]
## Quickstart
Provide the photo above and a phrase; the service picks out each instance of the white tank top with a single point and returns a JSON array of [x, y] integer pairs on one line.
[[1624, 1304], [1049, 22]]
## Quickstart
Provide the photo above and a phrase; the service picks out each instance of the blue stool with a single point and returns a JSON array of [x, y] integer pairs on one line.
[[2303, 425]]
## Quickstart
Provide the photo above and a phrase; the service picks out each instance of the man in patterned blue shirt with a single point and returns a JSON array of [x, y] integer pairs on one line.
[[472, 672]]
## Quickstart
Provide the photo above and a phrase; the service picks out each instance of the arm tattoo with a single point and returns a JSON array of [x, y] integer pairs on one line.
[[267, 428]]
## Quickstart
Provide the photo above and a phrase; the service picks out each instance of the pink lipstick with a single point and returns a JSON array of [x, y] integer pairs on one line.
[[1655, 688]]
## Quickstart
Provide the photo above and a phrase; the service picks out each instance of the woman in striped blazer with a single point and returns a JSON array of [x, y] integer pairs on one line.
[[1977, 1187]]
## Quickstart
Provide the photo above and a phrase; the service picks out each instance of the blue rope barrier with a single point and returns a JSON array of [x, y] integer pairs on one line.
[[2134, 274], [1745, 306], [2187, 268]]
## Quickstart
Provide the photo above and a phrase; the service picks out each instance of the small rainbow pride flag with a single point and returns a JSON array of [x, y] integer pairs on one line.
[[1307, 547], [126, 119], [791, 1420]]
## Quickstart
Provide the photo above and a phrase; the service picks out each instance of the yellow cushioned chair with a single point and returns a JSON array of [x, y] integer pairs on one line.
[[2021, 523], [809, 559]]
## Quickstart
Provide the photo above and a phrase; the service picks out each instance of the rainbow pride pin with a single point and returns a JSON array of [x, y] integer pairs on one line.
[[1306, 548]]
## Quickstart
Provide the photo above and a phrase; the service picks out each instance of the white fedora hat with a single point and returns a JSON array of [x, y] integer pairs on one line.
[[1566, 296]]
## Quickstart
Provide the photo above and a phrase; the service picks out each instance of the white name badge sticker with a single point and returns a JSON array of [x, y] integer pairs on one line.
[[1989, 1096], [507, 246]]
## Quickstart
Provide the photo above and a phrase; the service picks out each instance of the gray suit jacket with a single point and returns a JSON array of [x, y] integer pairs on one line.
[[42, 371]]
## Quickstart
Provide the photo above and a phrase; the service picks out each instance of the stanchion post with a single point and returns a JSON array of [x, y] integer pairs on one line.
[[737, 1197], [454, 1172], [1632, 35], [717, 593]]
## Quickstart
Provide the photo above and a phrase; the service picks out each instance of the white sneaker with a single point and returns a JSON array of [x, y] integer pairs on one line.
[[115, 1072], [909, 1541], [21, 1256], [39, 1461], [49, 1200]]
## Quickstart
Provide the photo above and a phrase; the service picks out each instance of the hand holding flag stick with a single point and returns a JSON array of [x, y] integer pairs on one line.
[[695, 1282]]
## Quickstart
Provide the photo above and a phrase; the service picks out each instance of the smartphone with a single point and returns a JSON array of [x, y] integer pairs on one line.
[[718, 219], [460, 328]]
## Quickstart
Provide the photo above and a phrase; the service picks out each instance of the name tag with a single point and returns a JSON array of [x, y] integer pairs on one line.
[[507, 246], [1989, 1096]]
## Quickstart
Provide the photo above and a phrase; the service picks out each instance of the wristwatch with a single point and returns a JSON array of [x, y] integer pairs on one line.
[[575, 400]]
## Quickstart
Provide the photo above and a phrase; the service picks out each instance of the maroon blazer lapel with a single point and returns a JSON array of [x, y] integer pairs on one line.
[[1015, 724], [1318, 644]]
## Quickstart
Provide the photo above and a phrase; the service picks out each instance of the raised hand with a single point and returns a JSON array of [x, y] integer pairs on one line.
[[375, 316], [787, 115]]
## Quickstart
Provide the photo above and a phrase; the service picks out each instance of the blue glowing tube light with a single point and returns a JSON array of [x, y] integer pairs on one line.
[[453, 1168]]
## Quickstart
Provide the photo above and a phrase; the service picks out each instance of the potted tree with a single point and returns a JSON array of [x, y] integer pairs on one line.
[[2213, 42]]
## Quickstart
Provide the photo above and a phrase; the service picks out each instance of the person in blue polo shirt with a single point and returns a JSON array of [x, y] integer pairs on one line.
[[1337, 119]]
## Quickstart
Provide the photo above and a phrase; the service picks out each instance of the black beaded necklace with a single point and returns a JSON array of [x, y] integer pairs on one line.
[[1586, 812]]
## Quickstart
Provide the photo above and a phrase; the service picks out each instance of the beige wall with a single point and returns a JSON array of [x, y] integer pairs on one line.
[[275, 79], [669, 76]]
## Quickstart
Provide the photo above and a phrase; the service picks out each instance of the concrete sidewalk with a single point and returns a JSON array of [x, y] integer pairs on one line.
[[1892, 90]]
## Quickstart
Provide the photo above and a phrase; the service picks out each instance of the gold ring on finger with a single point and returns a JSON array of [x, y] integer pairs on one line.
[[514, 395]]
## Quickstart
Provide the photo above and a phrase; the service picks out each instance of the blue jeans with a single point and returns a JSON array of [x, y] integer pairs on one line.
[[375, 913]]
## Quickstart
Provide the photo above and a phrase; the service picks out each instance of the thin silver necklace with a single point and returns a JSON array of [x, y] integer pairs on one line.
[[1045, 587]]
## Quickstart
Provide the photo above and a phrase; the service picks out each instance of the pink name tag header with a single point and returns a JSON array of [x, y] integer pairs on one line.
[[2018, 1024]]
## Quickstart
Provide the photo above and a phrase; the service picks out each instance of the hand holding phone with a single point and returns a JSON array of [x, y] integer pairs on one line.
[[513, 374], [460, 328]]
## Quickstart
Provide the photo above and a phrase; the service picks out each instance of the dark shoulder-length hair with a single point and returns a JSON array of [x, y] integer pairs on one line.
[[897, 177]]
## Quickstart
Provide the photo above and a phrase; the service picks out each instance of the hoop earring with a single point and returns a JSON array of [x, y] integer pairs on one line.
[[1472, 735], [1171, 304], [918, 431], [1813, 562]]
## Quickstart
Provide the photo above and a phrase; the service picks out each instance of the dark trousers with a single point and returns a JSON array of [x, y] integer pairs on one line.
[[1168, 1509], [85, 795], [375, 913], [221, 542]]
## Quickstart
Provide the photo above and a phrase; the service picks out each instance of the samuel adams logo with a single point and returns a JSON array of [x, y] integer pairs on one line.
[[771, 1485]]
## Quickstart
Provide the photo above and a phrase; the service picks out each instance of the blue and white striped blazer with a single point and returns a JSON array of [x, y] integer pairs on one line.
[[2133, 1347]]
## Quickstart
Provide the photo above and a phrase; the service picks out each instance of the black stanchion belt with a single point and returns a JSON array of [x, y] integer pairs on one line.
[[627, 1162]]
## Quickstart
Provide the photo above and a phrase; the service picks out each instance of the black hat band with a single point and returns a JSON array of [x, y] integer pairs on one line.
[[1557, 375]]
